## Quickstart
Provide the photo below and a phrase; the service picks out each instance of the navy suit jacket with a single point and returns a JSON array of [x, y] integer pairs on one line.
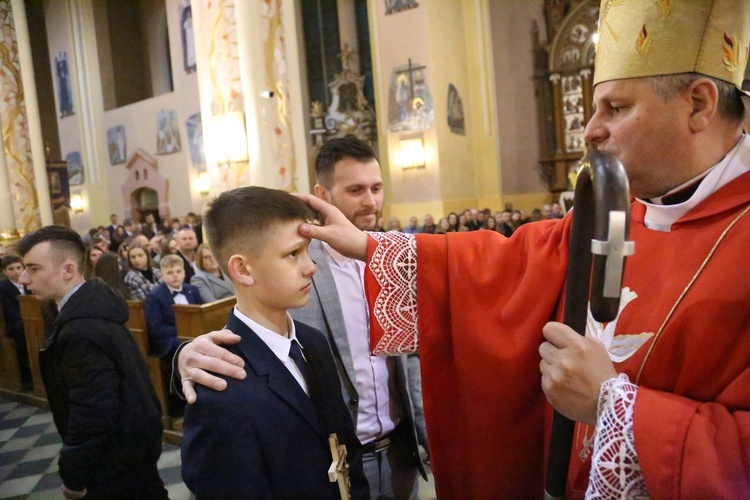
[[162, 330], [11, 309], [263, 437]]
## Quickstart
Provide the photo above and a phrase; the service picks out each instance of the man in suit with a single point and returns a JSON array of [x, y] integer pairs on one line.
[[150, 228], [162, 328], [10, 289], [267, 435], [187, 243], [112, 225], [374, 389], [191, 222]]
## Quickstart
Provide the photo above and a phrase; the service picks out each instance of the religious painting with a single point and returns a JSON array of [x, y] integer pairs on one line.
[[75, 168], [188, 42], [64, 92], [54, 182], [456, 120], [573, 113], [116, 145], [195, 142], [393, 6], [167, 133], [59, 187], [410, 105]]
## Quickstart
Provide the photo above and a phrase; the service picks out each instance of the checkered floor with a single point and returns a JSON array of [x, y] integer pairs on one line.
[[30, 446]]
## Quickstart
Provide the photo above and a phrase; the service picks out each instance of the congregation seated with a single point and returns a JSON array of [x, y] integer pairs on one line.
[[10, 289], [142, 276], [208, 279], [160, 318], [108, 269], [92, 255]]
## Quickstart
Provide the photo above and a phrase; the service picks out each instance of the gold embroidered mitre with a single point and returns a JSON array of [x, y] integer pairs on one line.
[[640, 38]]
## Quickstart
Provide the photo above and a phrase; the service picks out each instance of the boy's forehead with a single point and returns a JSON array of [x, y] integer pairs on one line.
[[278, 234]]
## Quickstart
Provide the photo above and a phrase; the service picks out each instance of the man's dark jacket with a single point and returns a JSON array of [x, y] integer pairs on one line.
[[102, 400], [11, 309]]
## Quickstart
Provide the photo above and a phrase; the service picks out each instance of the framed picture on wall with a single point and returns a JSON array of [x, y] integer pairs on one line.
[[64, 92], [188, 42], [116, 145], [167, 132], [75, 168]]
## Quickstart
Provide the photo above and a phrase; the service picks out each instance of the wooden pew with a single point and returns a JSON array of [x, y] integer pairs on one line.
[[33, 324], [10, 372], [191, 320], [137, 325], [194, 320]]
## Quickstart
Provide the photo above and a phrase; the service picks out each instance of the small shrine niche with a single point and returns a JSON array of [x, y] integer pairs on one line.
[[564, 71], [145, 191], [349, 113]]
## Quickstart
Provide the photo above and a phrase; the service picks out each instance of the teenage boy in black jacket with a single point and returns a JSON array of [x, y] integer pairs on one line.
[[102, 400]]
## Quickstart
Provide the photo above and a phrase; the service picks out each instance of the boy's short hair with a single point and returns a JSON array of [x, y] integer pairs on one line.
[[171, 260], [238, 221], [66, 243], [10, 259]]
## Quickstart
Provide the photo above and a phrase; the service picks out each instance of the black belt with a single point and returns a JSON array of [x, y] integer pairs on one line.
[[379, 445]]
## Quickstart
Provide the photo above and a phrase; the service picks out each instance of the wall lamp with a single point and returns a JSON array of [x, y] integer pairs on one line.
[[76, 203], [230, 138], [411, 153], [203, 183]]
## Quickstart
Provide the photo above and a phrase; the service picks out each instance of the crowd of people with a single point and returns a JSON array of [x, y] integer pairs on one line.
[[504, 222]]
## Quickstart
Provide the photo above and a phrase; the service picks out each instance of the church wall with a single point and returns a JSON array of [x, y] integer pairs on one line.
[[511, 22], [484, 49], [449, 56], [86, 130], [141, 129], [396, 38]]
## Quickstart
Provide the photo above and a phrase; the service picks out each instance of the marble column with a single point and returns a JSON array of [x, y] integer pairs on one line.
[[24, 168], [247, 61]]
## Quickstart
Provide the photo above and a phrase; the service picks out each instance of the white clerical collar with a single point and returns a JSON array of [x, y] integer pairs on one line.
[[278, 344], [734, 164]]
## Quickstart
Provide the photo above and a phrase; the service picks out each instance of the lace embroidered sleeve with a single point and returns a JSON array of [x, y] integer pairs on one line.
[[394, 267], [615, 470]]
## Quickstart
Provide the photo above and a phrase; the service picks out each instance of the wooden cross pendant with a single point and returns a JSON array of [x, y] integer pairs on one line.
[[339, 469]]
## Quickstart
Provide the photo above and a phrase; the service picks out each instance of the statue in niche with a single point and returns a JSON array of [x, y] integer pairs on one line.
[[349, 112], [65, 95]]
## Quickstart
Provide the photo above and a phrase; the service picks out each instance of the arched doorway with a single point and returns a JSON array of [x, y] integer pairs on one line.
[[145, 201]]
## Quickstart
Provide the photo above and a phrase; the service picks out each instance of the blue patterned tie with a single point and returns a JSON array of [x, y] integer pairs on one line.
[[296, 354]]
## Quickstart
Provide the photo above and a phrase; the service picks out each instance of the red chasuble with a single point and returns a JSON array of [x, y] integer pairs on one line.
[[482, 301]]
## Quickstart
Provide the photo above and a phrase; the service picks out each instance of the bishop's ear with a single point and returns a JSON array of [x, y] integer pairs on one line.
[[240, 270], [704, 97]]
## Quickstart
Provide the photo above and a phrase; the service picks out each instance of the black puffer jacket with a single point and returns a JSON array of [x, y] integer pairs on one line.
[[99, 391]]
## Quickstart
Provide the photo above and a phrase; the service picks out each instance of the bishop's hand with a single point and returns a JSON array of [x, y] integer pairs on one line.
[[335, 229], [573, 369]]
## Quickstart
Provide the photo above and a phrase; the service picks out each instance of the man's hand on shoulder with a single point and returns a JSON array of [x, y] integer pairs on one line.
[[205, 354]]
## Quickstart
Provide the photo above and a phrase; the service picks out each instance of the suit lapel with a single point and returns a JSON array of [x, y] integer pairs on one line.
[[265, 364], [330, 304]]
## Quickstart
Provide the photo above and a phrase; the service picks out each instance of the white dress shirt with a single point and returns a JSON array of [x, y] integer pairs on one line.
[[377, 412], [180, 297], [278, 344]]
